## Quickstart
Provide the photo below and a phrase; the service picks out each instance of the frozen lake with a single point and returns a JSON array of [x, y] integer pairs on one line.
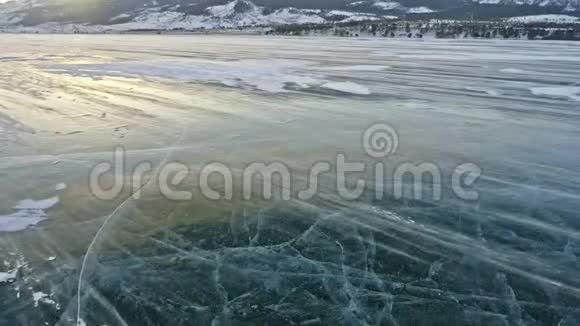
[[509, 257]]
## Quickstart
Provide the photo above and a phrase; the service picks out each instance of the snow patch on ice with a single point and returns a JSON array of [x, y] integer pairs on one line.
[[571, 92], [31, 204], [37, 296], [44, 298], [271, 75], [267, 75], [11, 270], [28, 212], [347, 87], [7, 277], [60, 186], [356, 68], [513, 71], [394, 217]]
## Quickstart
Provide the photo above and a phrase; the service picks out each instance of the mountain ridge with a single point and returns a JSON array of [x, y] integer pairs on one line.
[[211, 14]]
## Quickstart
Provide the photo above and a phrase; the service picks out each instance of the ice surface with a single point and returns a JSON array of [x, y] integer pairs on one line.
[[511, 258], [488, 91]]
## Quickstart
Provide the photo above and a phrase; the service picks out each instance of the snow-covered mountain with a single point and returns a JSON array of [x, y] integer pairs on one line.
[[567, 5], [94, 15], [234, 14]]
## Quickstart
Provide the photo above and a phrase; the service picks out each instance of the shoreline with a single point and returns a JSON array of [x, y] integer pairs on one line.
[[261, 34], [394, 29]]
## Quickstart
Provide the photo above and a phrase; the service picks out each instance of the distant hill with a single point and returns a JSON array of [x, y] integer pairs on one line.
[[175, 14]]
